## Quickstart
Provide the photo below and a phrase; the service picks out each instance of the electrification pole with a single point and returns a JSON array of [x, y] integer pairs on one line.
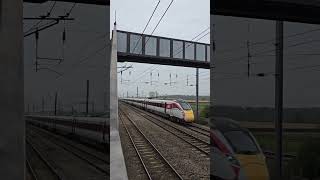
[[279, 96], [197, 93], [187, 80], [72, 110], [137, 92], [55, 103], [42, 104], [87, 99], [249, 54], [105, 100]]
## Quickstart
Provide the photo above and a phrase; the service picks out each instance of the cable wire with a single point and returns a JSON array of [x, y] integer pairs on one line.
[[47, 15], [232, 61], [152, 34], [158, 23], [154, 10], [266, 41]]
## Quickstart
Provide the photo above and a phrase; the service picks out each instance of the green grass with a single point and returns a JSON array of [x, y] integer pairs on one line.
[[291, 142], [203, 110]]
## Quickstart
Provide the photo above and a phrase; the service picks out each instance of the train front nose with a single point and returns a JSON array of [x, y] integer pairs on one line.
[[254, 167], [188, 116]]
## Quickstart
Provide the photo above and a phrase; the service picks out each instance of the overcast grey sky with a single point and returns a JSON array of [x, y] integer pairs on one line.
[[184, 20]]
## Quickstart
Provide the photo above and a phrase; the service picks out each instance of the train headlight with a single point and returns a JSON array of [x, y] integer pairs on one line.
[[235, 164], [233, 160]]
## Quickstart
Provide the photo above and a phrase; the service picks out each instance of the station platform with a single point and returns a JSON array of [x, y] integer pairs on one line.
[[118, 166]]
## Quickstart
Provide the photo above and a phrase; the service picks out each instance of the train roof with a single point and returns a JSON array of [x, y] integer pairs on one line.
[[153, 100], [224, 124]]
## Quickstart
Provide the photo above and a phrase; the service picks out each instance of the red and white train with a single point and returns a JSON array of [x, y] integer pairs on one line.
[[178, 110]]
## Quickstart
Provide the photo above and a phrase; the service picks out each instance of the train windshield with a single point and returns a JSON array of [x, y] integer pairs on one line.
[[184, 105], [241, 142]]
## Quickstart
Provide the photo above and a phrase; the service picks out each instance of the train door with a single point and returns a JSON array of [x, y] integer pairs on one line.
[[176, 111], [169, 109], [165, 108]]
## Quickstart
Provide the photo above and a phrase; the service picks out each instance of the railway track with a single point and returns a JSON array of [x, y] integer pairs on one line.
[[197, 143], [154, 164], [30, 175], [198, 129], [38, 167], [91, 158]]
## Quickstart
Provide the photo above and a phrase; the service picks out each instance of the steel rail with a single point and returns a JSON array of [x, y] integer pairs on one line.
[[33, 174], [60, 139], [164, 162], [50, 167], [194, 141], [198, 129], [79, 156], [134, 145]]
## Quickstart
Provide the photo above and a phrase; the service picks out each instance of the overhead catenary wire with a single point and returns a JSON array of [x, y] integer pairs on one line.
[[83, 60], [240, 59], [152, 34], [86, 44], [266, 41], [154, 10], [71, 9], [259, 54], [155, 28], [271, 73], [191, 43], [181, 47], [44, 16], [296, 68], [49, 14]]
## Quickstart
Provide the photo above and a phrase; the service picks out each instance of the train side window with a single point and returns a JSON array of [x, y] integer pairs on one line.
[[175, 106], [213, 143]]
